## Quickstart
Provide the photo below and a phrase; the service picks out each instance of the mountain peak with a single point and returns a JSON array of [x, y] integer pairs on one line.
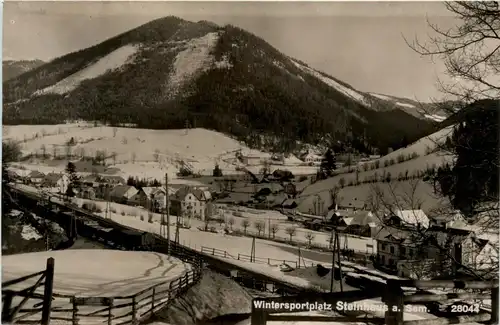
[[171, 72]]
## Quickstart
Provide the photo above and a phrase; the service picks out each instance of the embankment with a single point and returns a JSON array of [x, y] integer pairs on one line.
[[213, 297]]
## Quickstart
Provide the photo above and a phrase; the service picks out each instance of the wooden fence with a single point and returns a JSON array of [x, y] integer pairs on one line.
[[18, 315], [395, 300], [119, 310], [248, 258]]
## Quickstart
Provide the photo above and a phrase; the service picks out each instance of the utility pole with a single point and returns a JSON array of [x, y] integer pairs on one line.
[[168, 214]]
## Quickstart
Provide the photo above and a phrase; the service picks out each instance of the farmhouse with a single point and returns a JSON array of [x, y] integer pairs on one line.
[[192, 202], [408, 218], [86, 193], [311, 158], [122, 193], [150, 198], [55, 180], [36, 177], [363, 223]]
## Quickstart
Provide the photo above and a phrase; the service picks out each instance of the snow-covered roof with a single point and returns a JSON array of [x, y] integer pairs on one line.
[[413, 217]]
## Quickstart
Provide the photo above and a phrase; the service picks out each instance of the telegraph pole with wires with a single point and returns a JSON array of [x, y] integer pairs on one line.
[[336, 251], [162, 223]]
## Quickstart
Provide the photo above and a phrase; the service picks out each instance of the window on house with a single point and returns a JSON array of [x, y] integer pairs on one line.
[[391, 248], [383, 247], [403, 250], [391, 261], [382, 259]]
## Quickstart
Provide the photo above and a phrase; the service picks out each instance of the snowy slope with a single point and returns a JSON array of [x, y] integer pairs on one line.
[[110, 62], [334, 84]]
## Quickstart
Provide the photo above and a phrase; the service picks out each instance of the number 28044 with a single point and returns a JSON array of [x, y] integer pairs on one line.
[[465, 308]]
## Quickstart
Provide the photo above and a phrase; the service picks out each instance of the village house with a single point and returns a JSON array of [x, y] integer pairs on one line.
[[56, 181], [407, 218], [36, 177], [450, 220], [112, 179], [150, 198], [90, 181], [289, 206], [311, 158], [251, 159], [363, 223], [351, 204], [86, 192], [192, 202], [122, 193], [412, 254], [290, 189]]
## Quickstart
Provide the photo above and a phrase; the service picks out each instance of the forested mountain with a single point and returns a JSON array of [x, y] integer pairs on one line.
[[172, 73], [12, 68]]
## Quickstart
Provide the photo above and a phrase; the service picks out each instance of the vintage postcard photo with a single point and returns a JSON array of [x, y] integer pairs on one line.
[[198, 163]]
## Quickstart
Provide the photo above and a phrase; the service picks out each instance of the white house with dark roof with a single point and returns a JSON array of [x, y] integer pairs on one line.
[[57, 181], [192, 202], [408, 218]]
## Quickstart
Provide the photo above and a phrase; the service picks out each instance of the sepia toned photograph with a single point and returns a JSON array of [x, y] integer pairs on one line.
[[250, 163]]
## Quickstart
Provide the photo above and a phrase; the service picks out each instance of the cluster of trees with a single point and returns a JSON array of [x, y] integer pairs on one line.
[[142, 182]]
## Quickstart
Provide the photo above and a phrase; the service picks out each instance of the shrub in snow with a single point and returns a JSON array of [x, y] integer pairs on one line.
[[142, 217], [123, 213], [150, 217]]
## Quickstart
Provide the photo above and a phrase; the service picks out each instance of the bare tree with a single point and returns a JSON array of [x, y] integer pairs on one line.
[[115, 130], [470, 49], [230, 222], [54, 151], [274, 229], [113, 156], [309, 236], [291, 231], [124, 140], [438, 247], [245, 224], [156, 155], [260, 226], [133, 157]]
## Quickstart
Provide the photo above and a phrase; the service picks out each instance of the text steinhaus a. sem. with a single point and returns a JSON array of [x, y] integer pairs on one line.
[[316, 306]]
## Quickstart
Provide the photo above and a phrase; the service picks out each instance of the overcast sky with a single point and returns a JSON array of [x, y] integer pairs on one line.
[[360, 43]]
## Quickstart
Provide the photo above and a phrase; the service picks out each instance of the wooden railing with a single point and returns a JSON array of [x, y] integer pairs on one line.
[[122, 310], [15, 315], [247, 258]]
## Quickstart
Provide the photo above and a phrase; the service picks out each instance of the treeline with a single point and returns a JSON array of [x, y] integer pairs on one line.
[[143, 182]]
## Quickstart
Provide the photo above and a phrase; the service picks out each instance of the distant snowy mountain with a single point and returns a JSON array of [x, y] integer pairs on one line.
[[428, 111], [14, 68]]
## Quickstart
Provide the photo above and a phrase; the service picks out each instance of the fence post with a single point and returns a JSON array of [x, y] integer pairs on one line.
[[238, 256], [395, 304], [494, 306], [7, 302], [134, 310], [75, 311], [187, 279], [47, 291], [258, 316], [110, 315], [153, 301], [225, 254], [213, 251]]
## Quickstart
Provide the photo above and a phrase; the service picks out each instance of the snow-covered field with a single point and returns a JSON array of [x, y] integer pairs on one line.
[[350, 194], [95, 273], [137, 152]]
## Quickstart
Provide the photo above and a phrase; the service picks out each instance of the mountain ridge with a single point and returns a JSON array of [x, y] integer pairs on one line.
[[14, 68], [182, 73]]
